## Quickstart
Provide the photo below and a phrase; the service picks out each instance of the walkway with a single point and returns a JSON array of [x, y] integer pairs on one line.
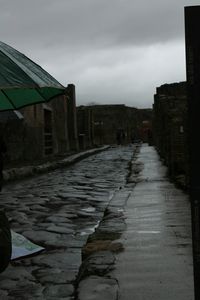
[[157, 260], [154, 260]]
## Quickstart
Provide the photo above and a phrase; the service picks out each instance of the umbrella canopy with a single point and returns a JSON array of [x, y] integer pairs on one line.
[[23, 82]]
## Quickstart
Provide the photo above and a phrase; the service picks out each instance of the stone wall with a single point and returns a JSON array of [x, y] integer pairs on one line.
[[72, 117], [85, 127], [112, 124], [170, 128], [40, 133]]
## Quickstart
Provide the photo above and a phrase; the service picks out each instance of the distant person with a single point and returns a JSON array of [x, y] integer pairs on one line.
[[150, 137], [123, 137], [3, 150], [119, 137]]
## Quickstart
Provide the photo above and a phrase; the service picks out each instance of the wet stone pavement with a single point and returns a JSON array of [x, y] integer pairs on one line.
[[142, 248], [58, 211]]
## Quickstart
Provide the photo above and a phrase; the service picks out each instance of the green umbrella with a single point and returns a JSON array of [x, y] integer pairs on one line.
[[23, 82]]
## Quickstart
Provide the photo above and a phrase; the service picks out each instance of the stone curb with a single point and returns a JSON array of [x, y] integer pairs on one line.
[[25, 171], [98, 254]]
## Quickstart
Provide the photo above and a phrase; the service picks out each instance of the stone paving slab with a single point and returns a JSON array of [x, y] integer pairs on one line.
[[98, 253], [55, 212], [21, 172], [98, 288]]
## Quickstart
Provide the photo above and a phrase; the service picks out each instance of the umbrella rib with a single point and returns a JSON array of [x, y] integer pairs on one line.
[[9, 99], [47, 100], [28, 78], [15, 107], [13, 59], [25, 69], [38, 90]]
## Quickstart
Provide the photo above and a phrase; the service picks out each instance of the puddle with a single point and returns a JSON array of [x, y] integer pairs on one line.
[[147, 232], [89, 230], [89, 209]]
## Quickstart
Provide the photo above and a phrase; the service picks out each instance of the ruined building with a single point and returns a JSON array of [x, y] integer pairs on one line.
[[41, 131], [170, 128], [113, 124], [57, 128]]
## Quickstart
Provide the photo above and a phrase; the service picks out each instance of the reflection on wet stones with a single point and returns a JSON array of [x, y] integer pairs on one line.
[[59, 213], [59, 229], [101, 245], [98, 288], [99, 263]]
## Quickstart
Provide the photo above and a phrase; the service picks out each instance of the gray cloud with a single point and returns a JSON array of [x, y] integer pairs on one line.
[[115, 51]]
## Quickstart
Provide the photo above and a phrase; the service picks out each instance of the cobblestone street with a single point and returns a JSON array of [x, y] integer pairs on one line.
[[58, 211]]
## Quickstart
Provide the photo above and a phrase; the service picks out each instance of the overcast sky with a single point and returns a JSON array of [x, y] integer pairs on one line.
[[114, 51]]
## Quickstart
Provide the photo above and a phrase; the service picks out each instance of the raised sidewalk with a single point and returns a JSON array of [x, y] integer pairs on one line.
[[142, 248]]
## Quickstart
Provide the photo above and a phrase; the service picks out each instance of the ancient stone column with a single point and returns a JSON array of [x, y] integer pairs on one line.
[[71, 117]]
